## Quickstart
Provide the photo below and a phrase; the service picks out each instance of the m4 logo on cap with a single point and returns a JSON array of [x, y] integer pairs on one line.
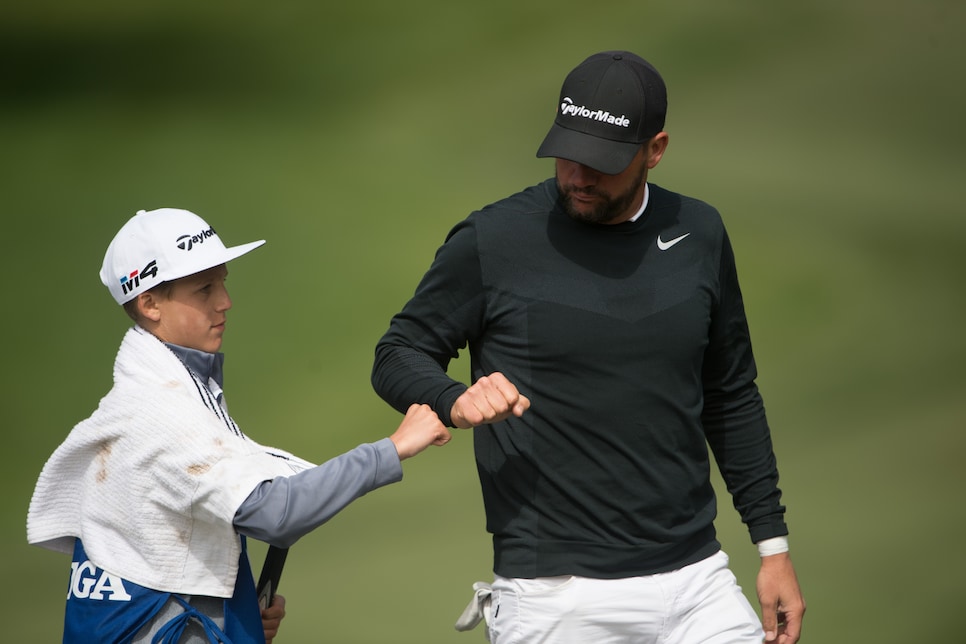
[[133, 280]]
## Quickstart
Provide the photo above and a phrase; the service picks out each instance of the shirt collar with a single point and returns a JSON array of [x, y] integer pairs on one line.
[[207, 366], [647, 194]]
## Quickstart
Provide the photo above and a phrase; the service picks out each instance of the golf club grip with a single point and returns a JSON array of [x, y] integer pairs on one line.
[[271, 574]]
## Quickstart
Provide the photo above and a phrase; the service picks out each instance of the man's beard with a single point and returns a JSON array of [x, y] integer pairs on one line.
[[607, 210]]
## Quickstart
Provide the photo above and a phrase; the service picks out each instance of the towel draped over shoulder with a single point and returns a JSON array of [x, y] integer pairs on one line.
[[151, 481]]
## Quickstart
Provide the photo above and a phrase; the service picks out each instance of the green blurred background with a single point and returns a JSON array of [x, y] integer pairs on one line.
[[829, 134]]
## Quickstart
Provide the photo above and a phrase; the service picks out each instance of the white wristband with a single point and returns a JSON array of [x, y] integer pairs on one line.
[[773, 546]]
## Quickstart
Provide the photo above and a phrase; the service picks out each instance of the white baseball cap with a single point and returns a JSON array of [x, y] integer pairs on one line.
[[161, 245]]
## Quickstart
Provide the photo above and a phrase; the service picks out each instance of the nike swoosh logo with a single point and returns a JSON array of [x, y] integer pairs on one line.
[[664, 245]]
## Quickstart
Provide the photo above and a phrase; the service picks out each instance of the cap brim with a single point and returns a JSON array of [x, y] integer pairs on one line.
[[210, 261], [609, 157]]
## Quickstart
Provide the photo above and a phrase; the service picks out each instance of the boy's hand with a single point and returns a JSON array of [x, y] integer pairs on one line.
[[272, 618], [419, 429]]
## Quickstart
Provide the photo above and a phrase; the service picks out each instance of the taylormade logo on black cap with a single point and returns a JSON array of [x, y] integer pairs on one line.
[[567, 108]]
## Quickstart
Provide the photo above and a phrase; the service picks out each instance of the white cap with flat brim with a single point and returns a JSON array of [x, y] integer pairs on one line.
[[161, 245]]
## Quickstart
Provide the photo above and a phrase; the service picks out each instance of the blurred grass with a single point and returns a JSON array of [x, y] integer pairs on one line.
[[352, 138]]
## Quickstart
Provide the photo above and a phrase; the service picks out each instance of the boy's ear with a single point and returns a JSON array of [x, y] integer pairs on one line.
[[148, 307]]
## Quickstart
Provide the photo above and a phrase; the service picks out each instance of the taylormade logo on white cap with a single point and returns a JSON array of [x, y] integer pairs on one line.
[[567, 108], [187, 242]]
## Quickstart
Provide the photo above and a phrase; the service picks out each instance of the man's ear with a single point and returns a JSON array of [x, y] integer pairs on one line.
[[147, 304], [655, 149]]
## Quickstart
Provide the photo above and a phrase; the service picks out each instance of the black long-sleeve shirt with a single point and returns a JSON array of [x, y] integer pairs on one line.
[[635, 359]]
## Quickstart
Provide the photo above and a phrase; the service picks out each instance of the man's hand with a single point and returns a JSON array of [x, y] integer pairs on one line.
[[272, 618], [490, 399], [782, 604]]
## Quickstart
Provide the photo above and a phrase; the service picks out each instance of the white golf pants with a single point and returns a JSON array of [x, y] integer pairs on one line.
[[699, 604]]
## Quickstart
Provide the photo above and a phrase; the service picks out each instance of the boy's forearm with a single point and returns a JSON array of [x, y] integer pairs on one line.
[[284, 509]]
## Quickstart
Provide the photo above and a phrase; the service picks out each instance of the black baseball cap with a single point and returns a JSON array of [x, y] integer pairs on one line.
[[609, 105]]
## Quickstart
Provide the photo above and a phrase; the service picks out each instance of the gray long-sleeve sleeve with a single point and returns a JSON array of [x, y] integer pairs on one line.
[[282, 510]]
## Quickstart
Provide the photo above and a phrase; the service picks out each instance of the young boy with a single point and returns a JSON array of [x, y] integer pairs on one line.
[[154, 494]]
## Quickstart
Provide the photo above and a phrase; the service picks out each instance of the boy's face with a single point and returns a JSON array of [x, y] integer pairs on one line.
[[193, 314]]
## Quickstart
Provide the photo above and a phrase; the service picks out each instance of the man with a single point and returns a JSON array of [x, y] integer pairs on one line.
[[611, 306]]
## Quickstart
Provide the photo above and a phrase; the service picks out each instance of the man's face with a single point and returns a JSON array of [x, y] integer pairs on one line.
[[598, 198], [193, 315]]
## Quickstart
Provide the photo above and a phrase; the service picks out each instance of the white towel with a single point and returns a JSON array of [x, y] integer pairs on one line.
[[478, 609], [151, 481]]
